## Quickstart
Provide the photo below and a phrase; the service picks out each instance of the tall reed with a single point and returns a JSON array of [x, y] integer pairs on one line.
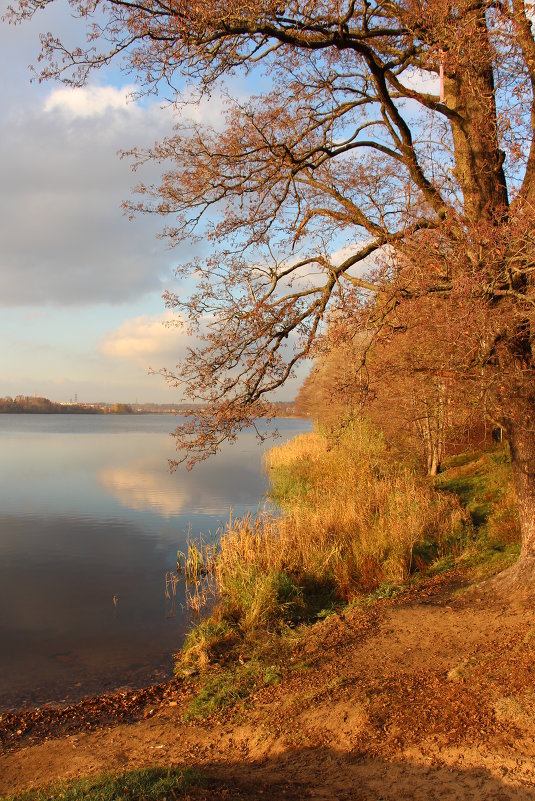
[[350, 519]]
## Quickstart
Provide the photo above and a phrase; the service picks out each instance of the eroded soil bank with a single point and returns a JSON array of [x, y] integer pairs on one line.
[[428, 696]]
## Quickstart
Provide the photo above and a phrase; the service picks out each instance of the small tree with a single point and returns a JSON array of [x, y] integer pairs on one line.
[[345, 142]]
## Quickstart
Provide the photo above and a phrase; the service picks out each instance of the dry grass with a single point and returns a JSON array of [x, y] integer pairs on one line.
[[350, 521], [352, 512]]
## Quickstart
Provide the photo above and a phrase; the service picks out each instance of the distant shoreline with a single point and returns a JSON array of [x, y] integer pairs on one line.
[[25, 404], [98, 411]]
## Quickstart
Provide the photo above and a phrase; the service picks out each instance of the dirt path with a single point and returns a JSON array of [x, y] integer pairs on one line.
[[427, 698]]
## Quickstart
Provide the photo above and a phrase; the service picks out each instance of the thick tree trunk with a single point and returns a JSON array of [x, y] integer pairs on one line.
[[479, 161], [522, 445], [518, 581]]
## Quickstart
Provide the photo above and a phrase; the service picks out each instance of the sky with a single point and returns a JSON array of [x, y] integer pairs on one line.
[[80, 284]]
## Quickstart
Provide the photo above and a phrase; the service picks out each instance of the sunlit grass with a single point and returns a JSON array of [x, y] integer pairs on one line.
[[355, 526], [483, 481], [350, 521]]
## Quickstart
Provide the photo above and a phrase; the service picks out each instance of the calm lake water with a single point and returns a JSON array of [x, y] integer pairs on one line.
[[89, 513]]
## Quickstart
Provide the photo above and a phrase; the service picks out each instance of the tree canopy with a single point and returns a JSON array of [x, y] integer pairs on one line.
[[388, 159]]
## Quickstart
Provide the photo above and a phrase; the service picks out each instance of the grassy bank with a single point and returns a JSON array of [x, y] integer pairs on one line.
[[482, 481], [354, 524]]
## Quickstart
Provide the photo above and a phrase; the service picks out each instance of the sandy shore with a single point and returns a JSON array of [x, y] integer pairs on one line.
[[427, 697]]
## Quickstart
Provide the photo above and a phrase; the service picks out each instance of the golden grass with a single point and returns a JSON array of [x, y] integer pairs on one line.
[[350, 521]]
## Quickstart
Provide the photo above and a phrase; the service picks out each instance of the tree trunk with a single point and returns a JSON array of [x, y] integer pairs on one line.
[[522, 445], [433, 466], [479, 161], [518, 581]]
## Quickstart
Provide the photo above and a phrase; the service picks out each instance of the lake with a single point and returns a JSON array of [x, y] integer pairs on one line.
[[90, 522]]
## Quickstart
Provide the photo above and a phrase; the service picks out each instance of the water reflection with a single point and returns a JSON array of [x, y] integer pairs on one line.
[[144, 486], [230, 479], [91, 522]]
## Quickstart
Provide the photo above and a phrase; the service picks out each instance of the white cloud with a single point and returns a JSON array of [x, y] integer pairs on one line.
[[90, 101], [313, 275], [64, 239], [336, 258], [363, 267], [343, 253], [207, 111], [421, 81], [145, 486], [148, 340]]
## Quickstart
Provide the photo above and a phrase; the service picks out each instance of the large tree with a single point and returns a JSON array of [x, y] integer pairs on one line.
[[429, 191]]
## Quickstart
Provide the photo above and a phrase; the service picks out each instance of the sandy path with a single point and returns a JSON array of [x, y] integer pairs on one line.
[[425, 700]]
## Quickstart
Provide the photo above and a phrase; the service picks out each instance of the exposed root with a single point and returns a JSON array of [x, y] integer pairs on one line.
[[516, 584]]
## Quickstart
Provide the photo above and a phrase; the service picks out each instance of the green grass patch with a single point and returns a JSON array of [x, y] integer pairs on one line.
[[385, 590], [149, 784], [483, 482], [289, 486], [480, 479], [226, 688], [210, 641], [490, 560], [442, 564]]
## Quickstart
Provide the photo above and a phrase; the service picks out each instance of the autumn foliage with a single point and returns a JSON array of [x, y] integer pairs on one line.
[[354, 183]]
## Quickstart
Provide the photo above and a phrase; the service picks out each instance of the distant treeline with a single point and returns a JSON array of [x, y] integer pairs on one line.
[[25, 404], [167, 408]]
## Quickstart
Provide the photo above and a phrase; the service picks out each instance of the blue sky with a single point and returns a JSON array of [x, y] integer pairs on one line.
[[80, 284]]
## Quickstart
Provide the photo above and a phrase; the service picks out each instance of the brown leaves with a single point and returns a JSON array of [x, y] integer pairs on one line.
[[41, 723]]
